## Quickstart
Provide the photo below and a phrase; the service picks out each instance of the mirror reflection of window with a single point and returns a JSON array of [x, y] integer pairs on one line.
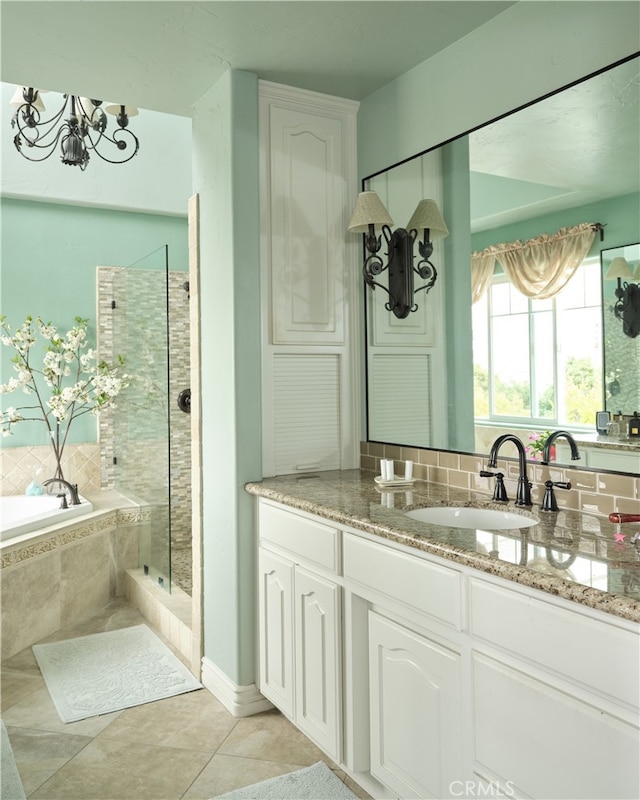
[[539, 361]]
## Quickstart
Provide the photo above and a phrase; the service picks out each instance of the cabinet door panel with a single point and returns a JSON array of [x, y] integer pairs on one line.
[[414, 698], [546, 742], [276, 630], [307, 219], [318, 695]]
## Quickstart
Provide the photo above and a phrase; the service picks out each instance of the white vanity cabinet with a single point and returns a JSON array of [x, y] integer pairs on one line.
[[456, 682], [411, 608], [555, 696], [300, 623]]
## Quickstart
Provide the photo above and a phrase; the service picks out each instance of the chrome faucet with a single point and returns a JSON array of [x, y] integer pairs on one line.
[[523, 494], [546, 451], [71, 488]]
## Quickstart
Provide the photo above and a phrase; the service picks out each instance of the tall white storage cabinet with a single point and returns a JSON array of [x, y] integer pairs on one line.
[[310, 286]]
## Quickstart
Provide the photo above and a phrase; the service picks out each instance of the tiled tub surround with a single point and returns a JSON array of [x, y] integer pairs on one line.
[[607, 575], [66, 573], [20, 465]]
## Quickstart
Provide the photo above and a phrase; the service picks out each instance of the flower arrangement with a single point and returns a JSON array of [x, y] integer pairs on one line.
[[537, 442], [70, 383]]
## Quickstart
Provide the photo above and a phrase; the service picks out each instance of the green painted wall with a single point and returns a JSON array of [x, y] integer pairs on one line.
[[225, 169], [621, 215], [49, 254], [457, 306]]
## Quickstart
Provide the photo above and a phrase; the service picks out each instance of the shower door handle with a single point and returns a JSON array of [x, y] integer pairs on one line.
[[184, 401]]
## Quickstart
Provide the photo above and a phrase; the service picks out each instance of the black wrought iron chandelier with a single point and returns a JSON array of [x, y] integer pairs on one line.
[[78, 129]]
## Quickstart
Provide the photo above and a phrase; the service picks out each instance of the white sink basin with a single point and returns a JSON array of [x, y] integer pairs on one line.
[[464, 517]]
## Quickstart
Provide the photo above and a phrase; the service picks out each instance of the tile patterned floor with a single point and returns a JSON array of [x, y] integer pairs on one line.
[[183, 748]]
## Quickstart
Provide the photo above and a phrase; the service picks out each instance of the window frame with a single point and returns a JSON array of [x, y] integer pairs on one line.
[[531, 421]]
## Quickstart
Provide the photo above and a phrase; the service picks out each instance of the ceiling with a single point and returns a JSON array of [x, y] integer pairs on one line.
[[576, 147], [163, 56]]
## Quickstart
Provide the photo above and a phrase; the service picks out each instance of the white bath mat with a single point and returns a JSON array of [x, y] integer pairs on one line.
[[106, 672], [311, 783], [10, 783]]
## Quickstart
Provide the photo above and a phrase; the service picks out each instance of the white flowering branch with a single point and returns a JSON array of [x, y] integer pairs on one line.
[[71, 383]]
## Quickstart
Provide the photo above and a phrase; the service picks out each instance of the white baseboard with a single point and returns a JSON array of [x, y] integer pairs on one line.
[[241, 701]]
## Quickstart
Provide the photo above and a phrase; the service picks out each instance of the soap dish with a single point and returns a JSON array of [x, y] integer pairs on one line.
[[397, 480]]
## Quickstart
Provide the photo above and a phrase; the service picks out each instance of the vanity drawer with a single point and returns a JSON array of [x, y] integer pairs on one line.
[[602, 656], [427, 587], [300, 536]]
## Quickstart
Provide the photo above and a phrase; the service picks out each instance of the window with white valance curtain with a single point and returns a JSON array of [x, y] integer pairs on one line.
[[537, 331], [538, 268]]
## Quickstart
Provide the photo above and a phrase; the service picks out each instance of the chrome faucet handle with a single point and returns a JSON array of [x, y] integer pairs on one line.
[[63, 500]]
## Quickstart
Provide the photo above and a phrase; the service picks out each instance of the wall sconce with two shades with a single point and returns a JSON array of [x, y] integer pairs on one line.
[[370, 216], [627, 305]]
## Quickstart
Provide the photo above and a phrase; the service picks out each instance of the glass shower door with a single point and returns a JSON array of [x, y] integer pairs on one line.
[[142, 457]]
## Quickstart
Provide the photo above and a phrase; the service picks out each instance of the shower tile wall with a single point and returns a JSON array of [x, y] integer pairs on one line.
[[142, 467]]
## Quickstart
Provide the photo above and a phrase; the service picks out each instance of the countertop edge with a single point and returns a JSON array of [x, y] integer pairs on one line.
[[597, 599]]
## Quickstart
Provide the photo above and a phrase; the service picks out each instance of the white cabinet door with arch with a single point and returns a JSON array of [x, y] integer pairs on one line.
[[415, 711], [276, 630], [318, 659]]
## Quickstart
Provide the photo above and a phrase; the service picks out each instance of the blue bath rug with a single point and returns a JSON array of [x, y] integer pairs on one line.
[[311, 783], [104, 672]]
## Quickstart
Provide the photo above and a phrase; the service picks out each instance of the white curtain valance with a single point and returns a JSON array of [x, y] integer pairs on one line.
[[482, 267], [539, 267]]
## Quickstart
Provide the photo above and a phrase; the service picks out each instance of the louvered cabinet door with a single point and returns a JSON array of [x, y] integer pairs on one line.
[[306, 412], [400, 407]]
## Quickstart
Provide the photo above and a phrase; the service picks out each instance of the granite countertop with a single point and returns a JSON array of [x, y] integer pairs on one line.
[[624, 445], [577, 556]]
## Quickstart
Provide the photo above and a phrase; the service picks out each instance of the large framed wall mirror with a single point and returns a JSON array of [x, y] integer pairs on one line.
[[568, 159]]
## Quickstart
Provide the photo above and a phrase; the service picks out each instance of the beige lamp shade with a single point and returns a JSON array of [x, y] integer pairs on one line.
[[619, 268], [18, 99], [369, 210], [427, 215], [85, 107], [114, 108]]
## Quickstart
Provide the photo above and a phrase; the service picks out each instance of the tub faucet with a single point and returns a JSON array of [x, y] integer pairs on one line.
[[523, 494], [71, 488], [546, 451]]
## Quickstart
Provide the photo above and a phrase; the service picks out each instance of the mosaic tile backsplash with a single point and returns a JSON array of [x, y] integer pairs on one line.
[[597, 493]]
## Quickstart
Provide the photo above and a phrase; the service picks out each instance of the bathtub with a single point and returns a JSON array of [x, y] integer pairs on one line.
[[20, 514]]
